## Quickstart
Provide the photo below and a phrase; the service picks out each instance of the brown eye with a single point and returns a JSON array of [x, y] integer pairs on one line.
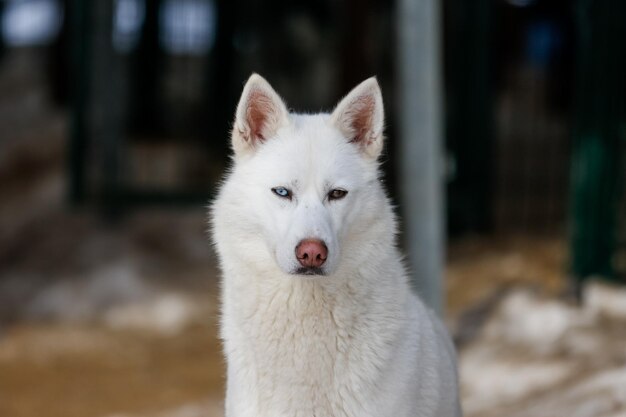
[[336, 194]]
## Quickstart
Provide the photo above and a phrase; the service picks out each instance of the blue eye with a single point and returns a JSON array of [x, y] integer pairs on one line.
[[282, 192]]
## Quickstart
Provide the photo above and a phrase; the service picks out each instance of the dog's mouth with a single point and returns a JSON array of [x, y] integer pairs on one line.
[[309, 271]]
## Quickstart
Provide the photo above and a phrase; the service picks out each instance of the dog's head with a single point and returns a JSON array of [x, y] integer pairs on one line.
[[304, 188]]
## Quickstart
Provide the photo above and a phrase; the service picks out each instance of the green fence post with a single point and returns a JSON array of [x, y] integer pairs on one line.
[[597, 137]]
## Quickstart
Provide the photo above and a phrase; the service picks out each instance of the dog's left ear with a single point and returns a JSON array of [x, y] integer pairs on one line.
[[360, 116]]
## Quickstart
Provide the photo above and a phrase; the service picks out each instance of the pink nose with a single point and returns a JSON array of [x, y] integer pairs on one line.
[[311, 253]]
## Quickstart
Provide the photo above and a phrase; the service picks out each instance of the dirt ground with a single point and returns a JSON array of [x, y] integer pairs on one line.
[[75, 371]]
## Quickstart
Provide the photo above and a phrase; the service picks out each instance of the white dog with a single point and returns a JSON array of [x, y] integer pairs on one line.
[[318, 319]]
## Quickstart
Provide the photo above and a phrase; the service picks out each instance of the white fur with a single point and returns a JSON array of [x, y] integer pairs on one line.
[[355, 342]]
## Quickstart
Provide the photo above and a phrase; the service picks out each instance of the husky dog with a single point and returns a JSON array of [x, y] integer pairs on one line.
[[318, 319]]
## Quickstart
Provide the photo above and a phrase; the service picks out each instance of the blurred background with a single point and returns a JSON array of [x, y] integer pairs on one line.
[[114, 121]]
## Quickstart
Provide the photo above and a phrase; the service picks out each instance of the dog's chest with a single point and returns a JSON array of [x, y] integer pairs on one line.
[[296, 337], [307, 355]]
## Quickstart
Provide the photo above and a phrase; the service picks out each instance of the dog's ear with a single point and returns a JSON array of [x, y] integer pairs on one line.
[[360, 116], [260, 113]]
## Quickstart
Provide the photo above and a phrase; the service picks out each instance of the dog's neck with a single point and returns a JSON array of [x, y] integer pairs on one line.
[[296, 293], [274, 293]]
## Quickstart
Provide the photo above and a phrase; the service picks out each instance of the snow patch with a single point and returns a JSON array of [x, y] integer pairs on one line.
[[167, 314], [86, 297], [536, 324], [489, 379], [606, 300]]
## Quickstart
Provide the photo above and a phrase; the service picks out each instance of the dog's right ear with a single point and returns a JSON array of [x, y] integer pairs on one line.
[[260, 113]]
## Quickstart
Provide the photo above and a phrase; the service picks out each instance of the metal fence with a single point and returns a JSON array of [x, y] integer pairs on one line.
[[534, 101], [536, 124]]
